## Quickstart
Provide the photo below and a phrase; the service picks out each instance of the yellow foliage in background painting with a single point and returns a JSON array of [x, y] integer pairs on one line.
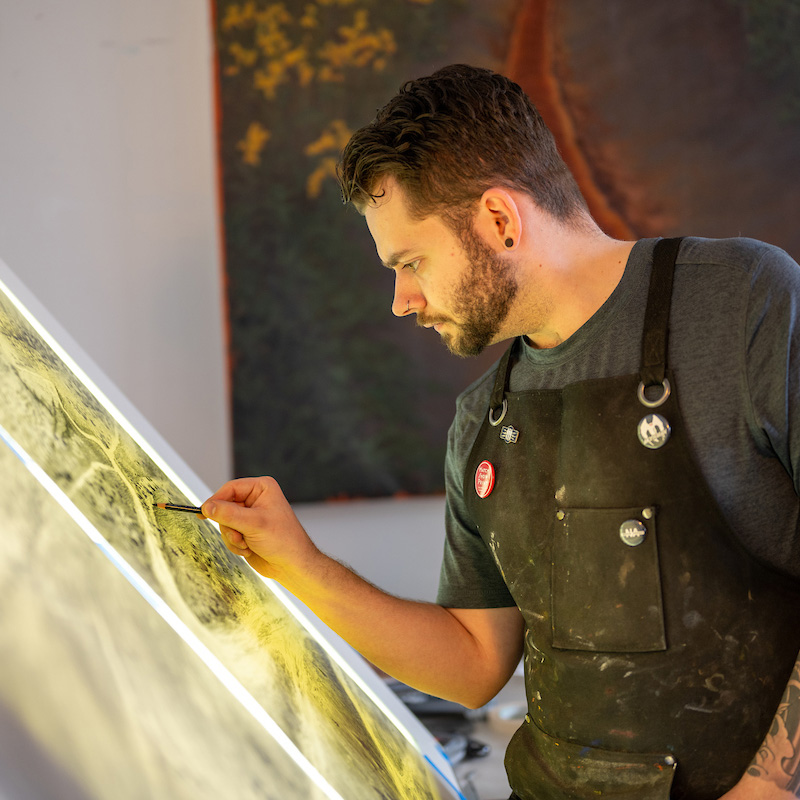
[[358, 48], [282, 44], [333, 139], [253, 143], [278, 46]]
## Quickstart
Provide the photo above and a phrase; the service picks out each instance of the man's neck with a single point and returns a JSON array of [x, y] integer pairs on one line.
[[567, 285]]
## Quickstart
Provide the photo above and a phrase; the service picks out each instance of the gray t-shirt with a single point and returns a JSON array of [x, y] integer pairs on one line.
[[734, 349]]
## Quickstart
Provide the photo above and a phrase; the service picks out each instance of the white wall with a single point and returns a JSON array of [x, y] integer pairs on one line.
[[395, 543], [108, 193]]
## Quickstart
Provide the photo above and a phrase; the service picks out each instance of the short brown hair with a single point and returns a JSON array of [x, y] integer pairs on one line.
[[448, 137]]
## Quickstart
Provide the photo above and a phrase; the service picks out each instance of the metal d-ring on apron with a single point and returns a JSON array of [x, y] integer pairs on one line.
[[656, 648]]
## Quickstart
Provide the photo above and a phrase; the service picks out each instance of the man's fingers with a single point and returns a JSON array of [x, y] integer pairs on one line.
[[245, 553], [234, 541], [231, 519], [234, 491], [232, 536], [245, 491]]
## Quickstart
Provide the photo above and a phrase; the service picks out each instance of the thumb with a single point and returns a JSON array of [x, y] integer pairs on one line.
[[209, 508], [231, 515], [220, 511]]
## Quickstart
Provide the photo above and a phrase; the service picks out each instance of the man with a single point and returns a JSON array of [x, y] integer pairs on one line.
[[622, 505]]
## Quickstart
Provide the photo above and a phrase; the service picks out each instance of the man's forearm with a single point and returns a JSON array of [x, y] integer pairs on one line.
[[778, 759], [421, 644]]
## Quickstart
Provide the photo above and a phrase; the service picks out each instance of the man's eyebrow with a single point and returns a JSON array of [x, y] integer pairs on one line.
[[396, 258]]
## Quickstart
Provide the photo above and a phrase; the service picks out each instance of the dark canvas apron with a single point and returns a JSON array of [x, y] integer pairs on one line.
[[656, 648]]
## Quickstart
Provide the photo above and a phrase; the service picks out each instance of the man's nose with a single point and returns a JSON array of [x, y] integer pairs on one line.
[[407, 297]]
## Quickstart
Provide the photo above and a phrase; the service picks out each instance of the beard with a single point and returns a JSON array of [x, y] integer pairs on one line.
[[481, 299]]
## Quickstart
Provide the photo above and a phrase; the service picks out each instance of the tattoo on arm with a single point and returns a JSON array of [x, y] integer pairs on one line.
[[778, 759]]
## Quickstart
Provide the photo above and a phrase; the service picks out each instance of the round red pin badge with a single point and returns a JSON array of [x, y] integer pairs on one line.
[[484, 479]]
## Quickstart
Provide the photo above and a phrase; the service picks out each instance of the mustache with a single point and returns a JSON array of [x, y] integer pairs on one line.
[[428, 321]]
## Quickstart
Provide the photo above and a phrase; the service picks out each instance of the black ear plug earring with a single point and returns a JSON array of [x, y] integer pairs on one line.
[[509, 242]]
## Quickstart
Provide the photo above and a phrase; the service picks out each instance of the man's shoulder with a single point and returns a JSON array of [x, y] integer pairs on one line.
[[736, 273], [472, 401], [741, 253]]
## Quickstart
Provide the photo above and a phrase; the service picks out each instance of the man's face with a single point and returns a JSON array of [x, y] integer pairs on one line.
[[456, 284]]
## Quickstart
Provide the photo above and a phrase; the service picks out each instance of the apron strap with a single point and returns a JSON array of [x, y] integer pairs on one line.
[[496, 401], [656, 318]]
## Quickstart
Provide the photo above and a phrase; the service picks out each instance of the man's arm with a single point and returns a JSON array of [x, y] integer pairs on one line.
[[772, 357], [774, 773], [465, 655]]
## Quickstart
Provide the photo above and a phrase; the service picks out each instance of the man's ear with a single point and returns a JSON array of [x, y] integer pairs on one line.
[[499, 219]]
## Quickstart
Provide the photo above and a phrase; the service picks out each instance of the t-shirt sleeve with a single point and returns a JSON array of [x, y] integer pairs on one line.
[[469, 576], [773, 357]]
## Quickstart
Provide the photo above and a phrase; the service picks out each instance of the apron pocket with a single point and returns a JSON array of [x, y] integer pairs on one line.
[[606, 582], [541, 767]]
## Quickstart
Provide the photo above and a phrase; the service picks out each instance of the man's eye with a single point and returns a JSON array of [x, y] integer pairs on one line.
[[412, 265]]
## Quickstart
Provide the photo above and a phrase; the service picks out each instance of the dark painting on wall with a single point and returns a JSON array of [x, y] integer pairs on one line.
[[675, 116]]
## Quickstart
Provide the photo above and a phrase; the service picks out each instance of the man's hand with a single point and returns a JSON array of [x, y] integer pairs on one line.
[[258, 523]]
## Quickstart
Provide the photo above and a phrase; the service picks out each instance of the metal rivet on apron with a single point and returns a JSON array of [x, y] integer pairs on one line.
[[560, 514], [484, 479], [528, 718], [647, 513], [653, 431], [494, 421], [665, 390], [509, 434], [632, 532]]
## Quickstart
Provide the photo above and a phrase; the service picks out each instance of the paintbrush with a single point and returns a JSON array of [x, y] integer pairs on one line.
[[176, 507]]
